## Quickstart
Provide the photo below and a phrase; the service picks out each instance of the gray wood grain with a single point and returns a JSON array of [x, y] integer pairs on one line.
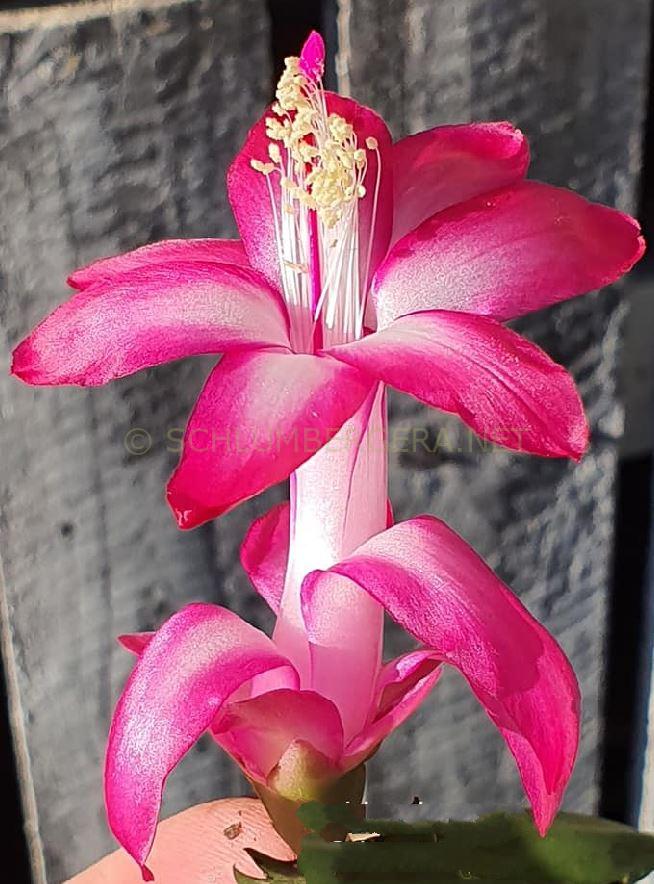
[[117, 123], [572, 76]]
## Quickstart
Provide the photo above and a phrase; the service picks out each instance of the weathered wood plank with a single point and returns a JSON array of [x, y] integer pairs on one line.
[[571, 75], [117, 122]]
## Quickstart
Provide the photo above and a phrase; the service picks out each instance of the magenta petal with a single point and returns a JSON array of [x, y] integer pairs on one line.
[[264, 553], [450, 164], [257, 732], [506, 253], [250, 198], [399, 677], [312, 57], [193, 664], [402, 685], [169, 251], [136, 642], [435, 586], [259, 416], [504, 387], [149, 316]]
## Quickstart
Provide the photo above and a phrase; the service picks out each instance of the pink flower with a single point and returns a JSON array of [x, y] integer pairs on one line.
[[362, 263], [434, 241], [294, 732]]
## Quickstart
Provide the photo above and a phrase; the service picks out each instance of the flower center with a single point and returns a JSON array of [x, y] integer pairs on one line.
[[321, 170]]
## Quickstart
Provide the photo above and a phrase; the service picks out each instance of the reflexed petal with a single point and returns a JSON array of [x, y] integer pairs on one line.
[[450, 164], [169, 251], [194, 663], [504, 387], [435, 586], [401, 687], [250, 197], [257, 732], [264, 553], [259, 416], [506, 253], [149, 316]]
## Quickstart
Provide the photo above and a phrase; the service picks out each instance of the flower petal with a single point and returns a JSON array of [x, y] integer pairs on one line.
[[506, 253], [435, 586], [136, 642], [250, 197], [259, 416], [402, 685], [450, 164], [504, 387], [194, 663], [264, 553], [168, 251], [257, 732], [149, 316]]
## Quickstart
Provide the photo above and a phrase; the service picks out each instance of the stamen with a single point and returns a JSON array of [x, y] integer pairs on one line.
[[264, 168], [321, 171]]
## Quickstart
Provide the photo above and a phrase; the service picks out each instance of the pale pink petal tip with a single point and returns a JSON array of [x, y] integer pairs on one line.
[[312, 57]]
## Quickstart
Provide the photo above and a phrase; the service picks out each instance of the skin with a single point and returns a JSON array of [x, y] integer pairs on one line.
[[198, 846]]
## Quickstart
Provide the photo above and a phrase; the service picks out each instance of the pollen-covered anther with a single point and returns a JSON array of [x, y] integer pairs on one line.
[[274, 153], [264, 168], [277, 130], [324, 168], [292, 83], [339, 129], [308, 152]]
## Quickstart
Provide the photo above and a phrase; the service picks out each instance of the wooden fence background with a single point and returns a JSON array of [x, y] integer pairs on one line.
[[117, 123]]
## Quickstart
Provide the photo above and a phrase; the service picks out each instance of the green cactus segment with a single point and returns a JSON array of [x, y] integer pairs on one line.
[[500, 848]]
